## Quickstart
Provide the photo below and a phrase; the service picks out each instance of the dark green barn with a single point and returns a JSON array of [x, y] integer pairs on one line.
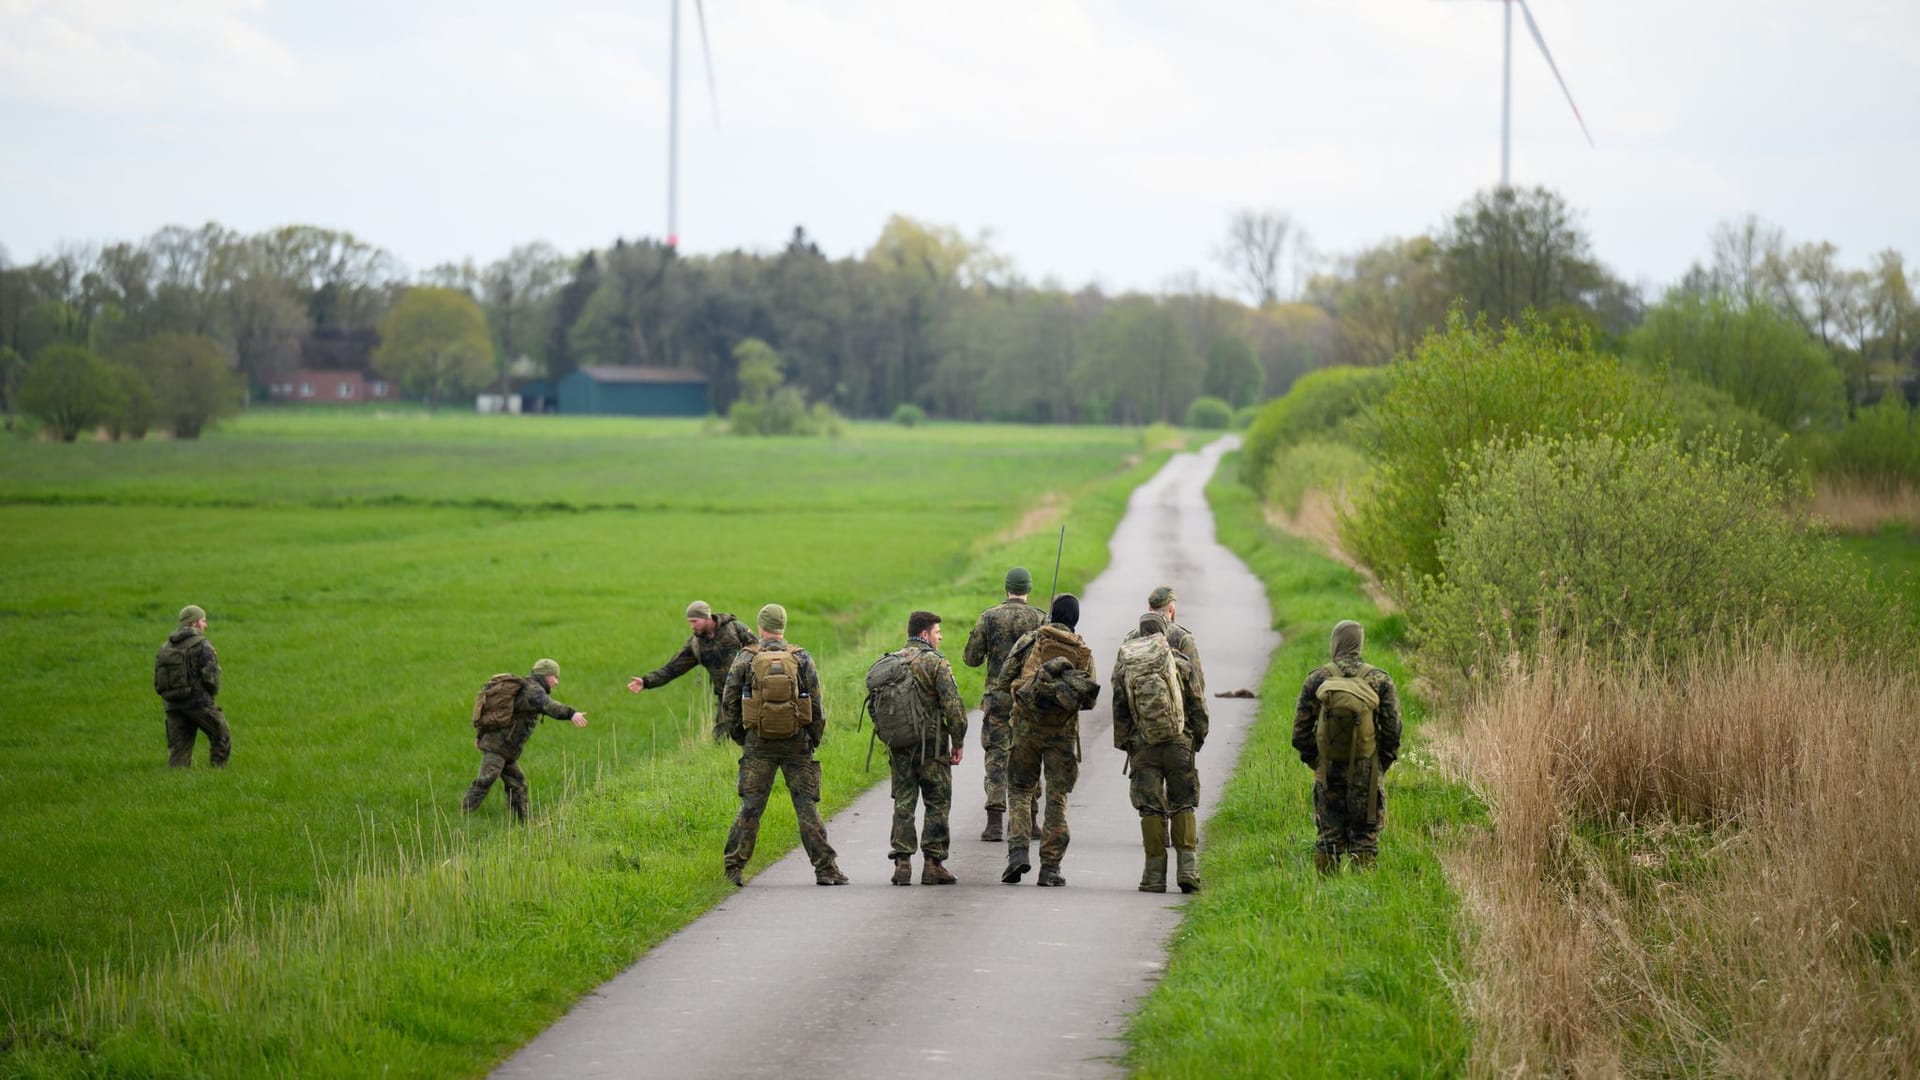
[[634, 391]]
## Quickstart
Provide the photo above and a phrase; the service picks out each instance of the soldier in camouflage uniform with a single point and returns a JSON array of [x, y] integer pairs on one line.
[[762, 759], [992, 638], [1163, 603], [186, 675], [926, 772], [1046, 735], [715, 641], [1341, 828], [1164, 783], [500, 750]]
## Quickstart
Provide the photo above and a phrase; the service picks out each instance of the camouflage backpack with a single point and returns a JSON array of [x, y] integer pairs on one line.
[[1152, 685], [775, 703], [902, 719], [493, 705], [1034, 688], [173, 671], [1344, 735]]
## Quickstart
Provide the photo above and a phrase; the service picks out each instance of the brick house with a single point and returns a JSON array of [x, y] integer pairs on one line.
[[330, 387]]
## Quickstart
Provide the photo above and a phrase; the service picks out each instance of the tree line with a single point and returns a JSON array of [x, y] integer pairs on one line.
[[927, 316]]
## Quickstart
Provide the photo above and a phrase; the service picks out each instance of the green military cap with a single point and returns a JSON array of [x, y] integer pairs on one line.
[[192, 613], [1161, 597], [546, 667], [699, 610], [1019, 581], [773, 617]]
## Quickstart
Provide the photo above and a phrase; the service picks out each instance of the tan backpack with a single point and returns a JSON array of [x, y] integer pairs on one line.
[[775, 702], [1048, 643], [493, 706], [1147, 676]]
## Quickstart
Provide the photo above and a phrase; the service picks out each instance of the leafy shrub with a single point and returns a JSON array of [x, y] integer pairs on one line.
[[136, 405], [1632, 542], [1320, 403], [1209, 414], [1244, 417], [1461, 389], [907, 414], [1757, 354], [1879, 447], [70, 390], [1314, 465], [1157, 436]]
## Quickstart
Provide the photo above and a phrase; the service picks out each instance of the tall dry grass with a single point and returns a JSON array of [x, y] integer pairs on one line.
[[1712, 869], [1853, 507]]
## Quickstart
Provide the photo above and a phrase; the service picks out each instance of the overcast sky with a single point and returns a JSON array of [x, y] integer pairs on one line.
[[1098, 140]]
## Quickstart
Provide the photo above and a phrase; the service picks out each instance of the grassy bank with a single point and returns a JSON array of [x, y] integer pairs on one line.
[[1276, 971], [316, 909]]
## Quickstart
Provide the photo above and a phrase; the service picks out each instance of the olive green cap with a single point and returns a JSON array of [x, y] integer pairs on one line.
[[1019, 581], [546, 667], [192, 613], [699, 610], [773, 617], [1161, 597]]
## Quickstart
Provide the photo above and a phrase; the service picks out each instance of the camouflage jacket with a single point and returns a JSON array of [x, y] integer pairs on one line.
[[1386, 719], [715, 654], [1183, 643], [1086, 681], [992, 639], [529, 709], [1193, 701], [203, 665], [734, 721], [934, 675]]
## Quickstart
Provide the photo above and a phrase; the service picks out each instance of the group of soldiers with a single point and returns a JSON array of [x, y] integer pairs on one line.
[[1040, 675]]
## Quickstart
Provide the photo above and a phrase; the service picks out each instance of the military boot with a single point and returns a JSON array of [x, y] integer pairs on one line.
[[903, 871], [829, 875], [1186, 841], [996, 827], [1017, 864], [1327, 862], [1049, 876], [934, 873], [471, 800], [1153, 833], [519, 804], [733, 875]]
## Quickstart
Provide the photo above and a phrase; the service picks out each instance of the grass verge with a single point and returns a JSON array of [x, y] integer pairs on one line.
[[1278, 972]]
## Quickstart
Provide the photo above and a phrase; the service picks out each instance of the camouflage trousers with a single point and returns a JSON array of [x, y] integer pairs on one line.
[[1036, 754], [1162, 780], [1342, 829], [756, 786], [497, 766], [183, 725], [996, 735], [921, 775]]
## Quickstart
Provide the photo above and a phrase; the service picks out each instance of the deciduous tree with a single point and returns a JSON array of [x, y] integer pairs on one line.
[[435, 342]]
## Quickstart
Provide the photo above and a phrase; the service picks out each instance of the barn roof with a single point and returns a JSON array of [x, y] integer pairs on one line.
[[642, 375]]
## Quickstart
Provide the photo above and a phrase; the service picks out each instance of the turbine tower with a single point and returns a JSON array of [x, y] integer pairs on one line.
[[673, 111], [1506, 86]]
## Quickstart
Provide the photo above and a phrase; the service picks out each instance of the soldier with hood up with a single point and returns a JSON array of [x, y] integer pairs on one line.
[[1051, 677], [1346, 728]]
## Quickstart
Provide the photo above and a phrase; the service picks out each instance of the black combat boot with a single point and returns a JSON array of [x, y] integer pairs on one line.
[[1017, 864], [995, 830], [903, 871], [1049, 876]]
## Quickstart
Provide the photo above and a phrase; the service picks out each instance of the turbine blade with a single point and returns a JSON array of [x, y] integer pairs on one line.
[[1534, 29], [706, 56]]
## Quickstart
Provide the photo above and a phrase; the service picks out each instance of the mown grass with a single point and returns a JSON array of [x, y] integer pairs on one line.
[[317, 908], [1894, 553], [1276, 971]]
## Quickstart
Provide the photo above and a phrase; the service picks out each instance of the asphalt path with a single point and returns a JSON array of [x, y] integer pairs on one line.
[[789, 979]]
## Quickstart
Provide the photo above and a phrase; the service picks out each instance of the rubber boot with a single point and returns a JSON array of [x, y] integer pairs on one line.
[[903, 871], [996, 827], [933, 872], [1327, 862], [1186, 841], [1017, 864], [1049, 876], [1153, 834]]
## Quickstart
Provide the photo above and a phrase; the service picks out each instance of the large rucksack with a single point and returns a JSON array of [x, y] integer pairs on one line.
[[173, 671], [1034, 687], [1344, 735], [493, 705], [902, 719], [1152, 685], [775, 702]]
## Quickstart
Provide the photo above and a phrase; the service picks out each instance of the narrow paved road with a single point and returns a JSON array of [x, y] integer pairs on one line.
[[791, 980]]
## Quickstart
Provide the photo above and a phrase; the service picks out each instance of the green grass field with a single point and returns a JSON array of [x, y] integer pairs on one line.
[[318, 908], [1894, 553], [1278, 972]]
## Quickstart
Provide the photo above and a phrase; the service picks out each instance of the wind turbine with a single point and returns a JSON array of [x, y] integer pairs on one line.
[[673, 113], [1506, 86]]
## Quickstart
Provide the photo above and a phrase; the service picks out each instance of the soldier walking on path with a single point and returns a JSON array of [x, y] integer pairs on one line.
[[1160, 720], [1346, 728], [715, 641], [1163, 603], [989, 643], [771, 706], [507, 710], [1051, 676], [927, 701], [186, 675]]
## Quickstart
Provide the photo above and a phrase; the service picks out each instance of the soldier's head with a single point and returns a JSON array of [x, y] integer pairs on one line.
[[193, 617], [700, 618], [1162, 600], [1019, 583], [1348, 637], [773, 621], [1065, 610], [924, 625], [547, 671]]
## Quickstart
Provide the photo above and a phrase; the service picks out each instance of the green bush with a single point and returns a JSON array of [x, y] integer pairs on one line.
[[70, 390], [1156, 437], [1320, 403], [1461, 389], [1757, 354], [1879, 447], [1244, 417], [1314, 465], [1638, 543], [1209, 414], [907, 414], [136, 404]]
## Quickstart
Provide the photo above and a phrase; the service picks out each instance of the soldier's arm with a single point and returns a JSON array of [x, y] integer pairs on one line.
[[1386, 722], [952, 707], [1305, 712], [730, 719], [810, 679], [1190, 648], [682, 662], [1016, 657], [975, 653], [1195, 703], [538, 700], [1122, 717], [209, 668], [1084, 661]]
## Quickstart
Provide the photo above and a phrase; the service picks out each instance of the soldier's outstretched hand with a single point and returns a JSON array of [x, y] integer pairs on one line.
[[579, 719], [636, 684]]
